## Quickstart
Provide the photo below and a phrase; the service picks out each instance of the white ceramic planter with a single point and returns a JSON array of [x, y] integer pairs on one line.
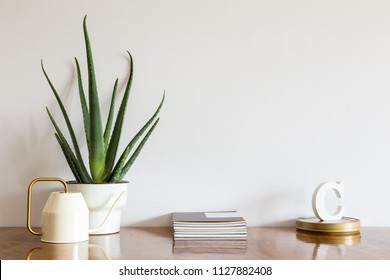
[[100, 199]]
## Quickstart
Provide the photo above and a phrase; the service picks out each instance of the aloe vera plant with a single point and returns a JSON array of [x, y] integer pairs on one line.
[[102, 144]]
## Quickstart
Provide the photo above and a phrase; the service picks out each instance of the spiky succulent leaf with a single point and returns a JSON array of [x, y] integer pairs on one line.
[[133, 157], [96, 147], [68, 123], [102, 146], [64, 147], [121, 162], [74, 164], [83, 102], [107, 130], [116, 134], [119, 165]]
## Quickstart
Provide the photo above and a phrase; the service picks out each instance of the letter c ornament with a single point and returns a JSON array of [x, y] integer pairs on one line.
[[318, 201]]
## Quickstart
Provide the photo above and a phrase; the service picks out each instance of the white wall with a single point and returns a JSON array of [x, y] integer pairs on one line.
[[265, 100]]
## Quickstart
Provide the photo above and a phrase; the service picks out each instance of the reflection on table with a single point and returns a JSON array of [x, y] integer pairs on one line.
[[273, 243], [325, 245], [99, 247]]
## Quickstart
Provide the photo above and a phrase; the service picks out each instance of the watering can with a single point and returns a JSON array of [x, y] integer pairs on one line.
[[65, 216]]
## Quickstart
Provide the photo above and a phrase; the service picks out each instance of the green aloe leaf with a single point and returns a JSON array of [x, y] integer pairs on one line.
[[121, 162], [64, 147], [116, 134], [107, 131], [74, 164], [133, 157], [102, 145], [83, 102], [68, 123], [96, 147]]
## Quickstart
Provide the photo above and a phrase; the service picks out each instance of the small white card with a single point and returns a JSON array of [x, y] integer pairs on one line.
[[225, 214]]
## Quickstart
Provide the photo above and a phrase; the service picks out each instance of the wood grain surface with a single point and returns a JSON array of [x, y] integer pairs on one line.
[[276, 243]]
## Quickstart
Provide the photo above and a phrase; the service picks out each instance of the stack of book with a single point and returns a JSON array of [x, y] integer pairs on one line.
[[223, 231]]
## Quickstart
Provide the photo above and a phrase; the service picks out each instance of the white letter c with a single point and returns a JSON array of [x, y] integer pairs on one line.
[[318, 201]]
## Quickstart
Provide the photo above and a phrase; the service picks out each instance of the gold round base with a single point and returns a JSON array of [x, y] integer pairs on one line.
[[344, 226]]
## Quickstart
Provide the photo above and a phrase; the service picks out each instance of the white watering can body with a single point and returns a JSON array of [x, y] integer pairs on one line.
[[65, 216]]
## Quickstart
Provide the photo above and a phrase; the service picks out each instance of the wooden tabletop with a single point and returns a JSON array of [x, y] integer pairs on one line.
[[277, 243]]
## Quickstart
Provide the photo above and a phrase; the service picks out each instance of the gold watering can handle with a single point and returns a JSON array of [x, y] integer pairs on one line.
[[43, 179]]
